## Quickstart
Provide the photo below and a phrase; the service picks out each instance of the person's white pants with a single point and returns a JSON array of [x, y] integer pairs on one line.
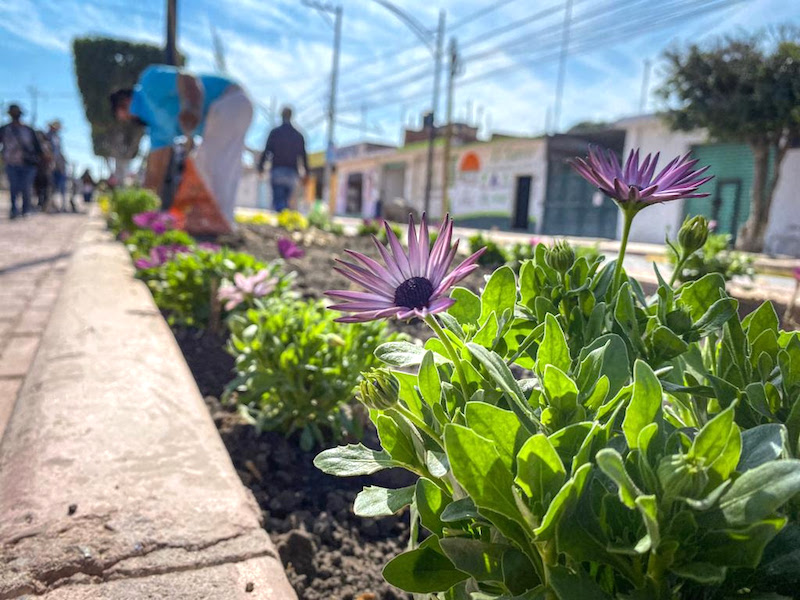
[[219, 157]]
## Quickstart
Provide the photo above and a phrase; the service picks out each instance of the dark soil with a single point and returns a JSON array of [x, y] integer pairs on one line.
[[329, 553]]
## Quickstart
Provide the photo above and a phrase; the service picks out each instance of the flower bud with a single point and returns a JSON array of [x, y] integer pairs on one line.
[[693, 234], [560, 257], [379, 389], [681, 478]]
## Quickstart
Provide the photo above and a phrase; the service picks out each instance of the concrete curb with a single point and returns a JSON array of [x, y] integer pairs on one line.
[[114, 483]]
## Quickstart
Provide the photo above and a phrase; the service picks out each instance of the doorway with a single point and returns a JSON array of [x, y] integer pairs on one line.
[[522, 202], [355, 186], [726, 206]]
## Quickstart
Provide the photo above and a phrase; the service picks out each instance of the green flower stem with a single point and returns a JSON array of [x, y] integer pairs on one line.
[[678, 267], [628, 215], [419, 423], [448, 345]]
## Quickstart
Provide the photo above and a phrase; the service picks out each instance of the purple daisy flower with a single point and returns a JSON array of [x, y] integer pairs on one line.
[[288, 249], [156, 221], [159, 255], [409, 285], [635, 185], [245, 288]]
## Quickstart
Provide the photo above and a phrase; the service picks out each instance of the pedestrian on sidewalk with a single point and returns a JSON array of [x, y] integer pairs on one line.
[[42, 181], [171, 103], [285, 148], [59, 177], [21, 154], [87, 186]]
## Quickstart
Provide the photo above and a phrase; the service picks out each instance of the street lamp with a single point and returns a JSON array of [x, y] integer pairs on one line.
[[433, 41]]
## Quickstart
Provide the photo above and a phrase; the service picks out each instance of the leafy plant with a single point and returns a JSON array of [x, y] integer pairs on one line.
[[319, 218], [493, 256], [296, 368], [291, 220], [141, 242], [186, 286], [715, 256], [127, 202], [647, 448], [254, 219]]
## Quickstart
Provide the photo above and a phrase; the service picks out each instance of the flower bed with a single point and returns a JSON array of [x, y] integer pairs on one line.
[[564, 434]]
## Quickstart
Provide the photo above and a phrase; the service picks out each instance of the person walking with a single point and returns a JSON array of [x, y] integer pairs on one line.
[[285, 149], [21, 154], [171, 103], [59, 176], [87, 186]]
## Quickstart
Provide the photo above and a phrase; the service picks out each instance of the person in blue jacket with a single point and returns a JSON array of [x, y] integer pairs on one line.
[[170, 103]]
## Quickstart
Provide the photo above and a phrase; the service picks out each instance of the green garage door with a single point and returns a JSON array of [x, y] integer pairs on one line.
[[729, 202]]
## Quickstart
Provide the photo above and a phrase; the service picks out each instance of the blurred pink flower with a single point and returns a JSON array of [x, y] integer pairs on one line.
[[159, 255], [797, 273], [156, 221], [246, 288], [712, 225], [288, 249]]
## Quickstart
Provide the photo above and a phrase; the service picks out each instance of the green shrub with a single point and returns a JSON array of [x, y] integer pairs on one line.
[[573, 438], [127, 202], [142, 241], [296, 368], [494, 256], [183, 287]]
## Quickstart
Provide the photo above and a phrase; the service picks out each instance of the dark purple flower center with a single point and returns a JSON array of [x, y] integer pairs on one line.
[[413, 293]]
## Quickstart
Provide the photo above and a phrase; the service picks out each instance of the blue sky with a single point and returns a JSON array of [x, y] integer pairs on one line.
[[281, 51]]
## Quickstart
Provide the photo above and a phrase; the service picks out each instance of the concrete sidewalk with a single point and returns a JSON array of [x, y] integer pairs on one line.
[[34, 252], [114, 483]]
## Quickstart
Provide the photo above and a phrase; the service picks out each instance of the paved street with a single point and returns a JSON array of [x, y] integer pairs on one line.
[[34, 252]]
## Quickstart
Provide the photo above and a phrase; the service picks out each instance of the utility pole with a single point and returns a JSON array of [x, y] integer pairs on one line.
[[337, 42], [432, 131], [562, 65], [645, 86], [451, 75], [170, 51]]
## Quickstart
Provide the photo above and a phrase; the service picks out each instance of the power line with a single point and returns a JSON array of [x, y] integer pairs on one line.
[[479, 13], [630, 29]]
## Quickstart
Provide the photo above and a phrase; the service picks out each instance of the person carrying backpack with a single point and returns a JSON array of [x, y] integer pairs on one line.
[[21, 154]]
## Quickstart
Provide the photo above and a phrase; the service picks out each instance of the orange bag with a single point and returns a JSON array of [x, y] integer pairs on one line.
[[194, 208]]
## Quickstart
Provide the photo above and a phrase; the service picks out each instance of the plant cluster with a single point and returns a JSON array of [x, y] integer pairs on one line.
[[296, 368], [494, 255], [318, 217], [573, 438], [292, 220], [715, 255], [124, 204], [254, 219]]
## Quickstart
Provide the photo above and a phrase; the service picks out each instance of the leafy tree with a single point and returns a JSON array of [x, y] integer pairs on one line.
[[742, 90], [101, 66]]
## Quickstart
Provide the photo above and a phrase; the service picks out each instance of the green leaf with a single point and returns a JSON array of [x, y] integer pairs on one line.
[[759, 492], [566, 498], [460, 510], [500, 293], [430, 385], [716, 316], [553, 349], [467, 309], [487, 334], [611, 463], [423, 571], [760, 445], [648, 508], [519, 574], [712, 439], [376, 501], [568, 440], [615, 362], [740, 547], [352, 460], [430, 501], [645, 403], [764, 318], [500, 426], [502, 376], [477, 466], [571, 586], [540, 472], [701, 572], [698, 296], [560, 390], [397, 442], [403, 354], [666, 345], [481, 560]]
